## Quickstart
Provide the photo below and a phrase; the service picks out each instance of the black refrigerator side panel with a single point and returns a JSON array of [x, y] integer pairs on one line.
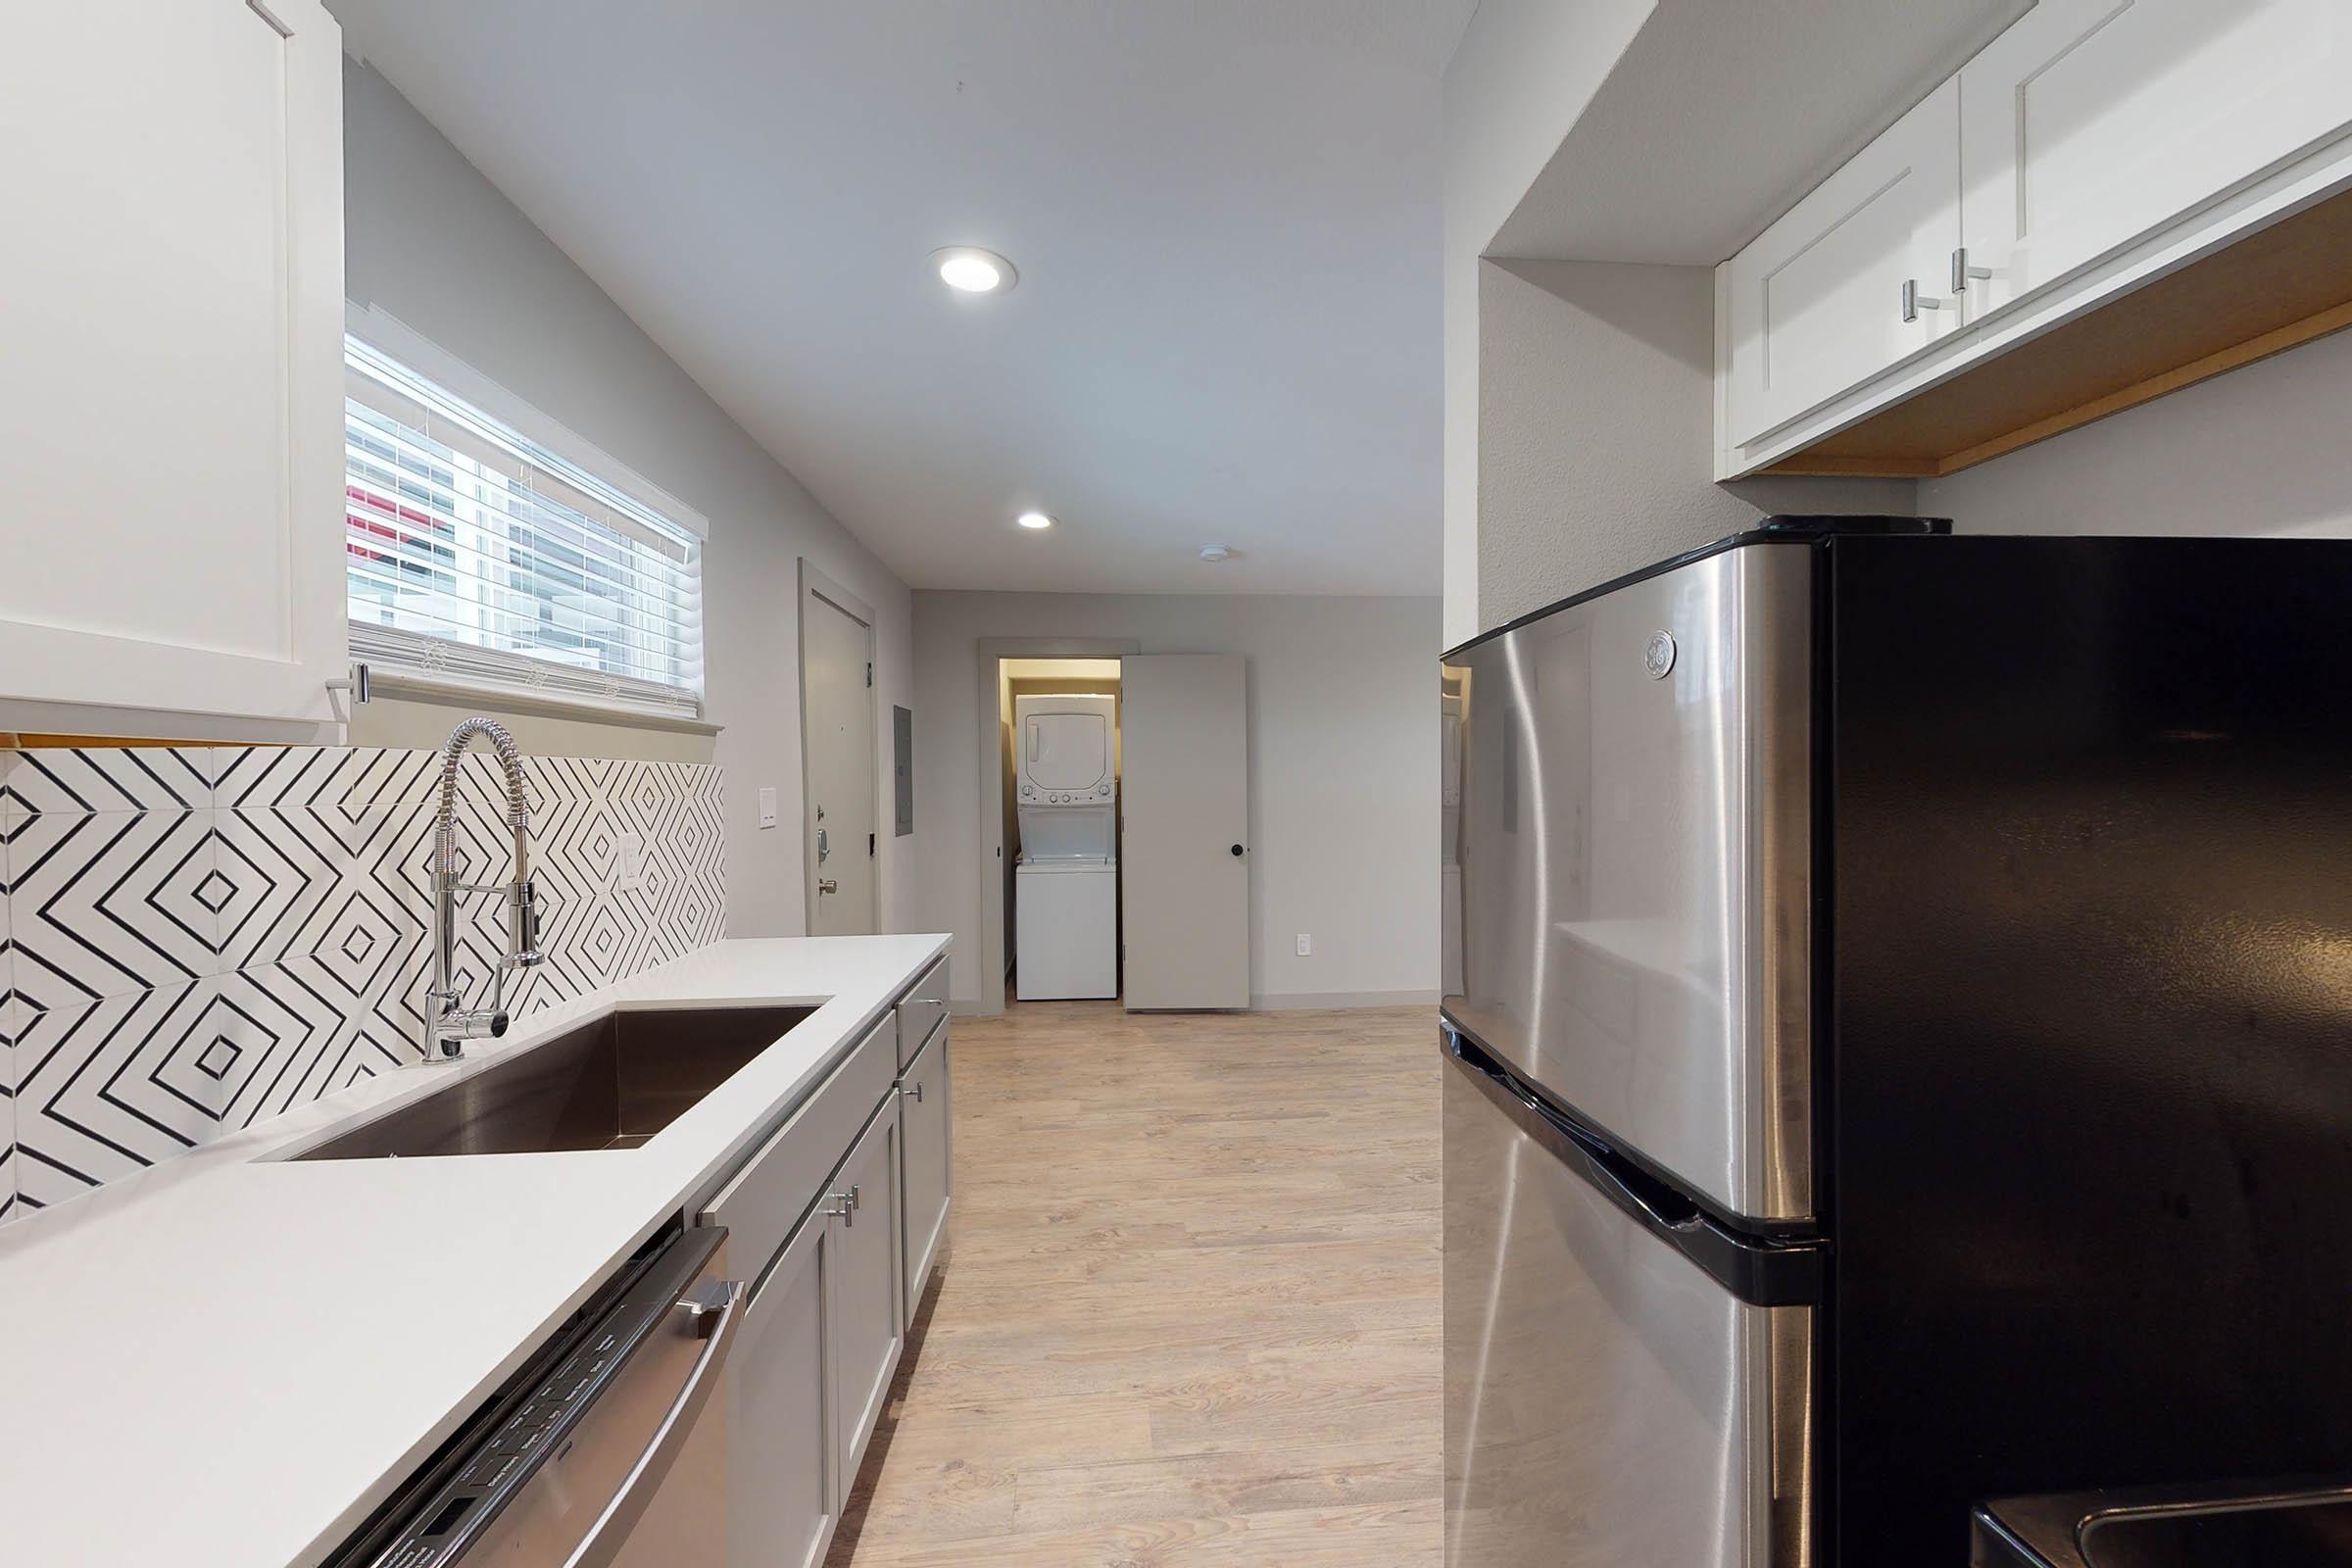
[[2090, 1050]]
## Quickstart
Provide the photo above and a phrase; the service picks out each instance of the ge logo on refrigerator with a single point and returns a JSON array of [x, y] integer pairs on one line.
[[1658, 656]]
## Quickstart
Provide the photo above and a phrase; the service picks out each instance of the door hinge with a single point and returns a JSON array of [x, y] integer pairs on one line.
[[869, 844], [869, 672]]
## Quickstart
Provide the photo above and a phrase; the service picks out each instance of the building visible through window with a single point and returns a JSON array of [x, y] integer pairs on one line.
[[476, 557]]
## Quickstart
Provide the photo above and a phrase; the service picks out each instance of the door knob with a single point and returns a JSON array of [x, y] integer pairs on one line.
[[825, 884], [1237, 849]]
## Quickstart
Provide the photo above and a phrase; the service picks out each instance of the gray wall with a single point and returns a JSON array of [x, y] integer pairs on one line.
[[432, 243], [2259, 451], [1343, 772], [1597, 399], [1522, 73]]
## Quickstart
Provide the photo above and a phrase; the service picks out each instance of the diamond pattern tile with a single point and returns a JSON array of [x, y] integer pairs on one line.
[[111, 903], [9, 1207], [107, 1088], [238, 930], [81, 781]]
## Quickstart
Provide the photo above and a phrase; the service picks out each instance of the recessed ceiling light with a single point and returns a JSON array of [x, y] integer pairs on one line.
[[1216, 552], [1033, 519], [969, 269]]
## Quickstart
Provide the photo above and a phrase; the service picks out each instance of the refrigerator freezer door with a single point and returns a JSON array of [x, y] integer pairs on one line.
[[1635, 840], [1607, 1403]]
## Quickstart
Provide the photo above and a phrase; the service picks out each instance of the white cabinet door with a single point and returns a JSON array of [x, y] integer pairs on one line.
[[1815, 303], [2091, 122], [867, 1330], [170, 320], [784, 1491], [925, 1122]]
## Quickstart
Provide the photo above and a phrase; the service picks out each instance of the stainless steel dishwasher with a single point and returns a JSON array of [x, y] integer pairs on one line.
[[606, 1450]]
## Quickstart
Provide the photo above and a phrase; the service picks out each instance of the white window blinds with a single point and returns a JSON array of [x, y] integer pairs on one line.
[[478, 558]]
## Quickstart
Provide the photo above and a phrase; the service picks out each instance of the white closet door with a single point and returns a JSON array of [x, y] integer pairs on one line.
[[171, 323], [1184, 871], [2089, 123]]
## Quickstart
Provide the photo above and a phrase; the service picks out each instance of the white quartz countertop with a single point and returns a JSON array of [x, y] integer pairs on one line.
[[228, 1361]]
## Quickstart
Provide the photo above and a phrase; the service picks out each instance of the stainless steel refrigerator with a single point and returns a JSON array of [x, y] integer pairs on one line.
[[1898, 1042]]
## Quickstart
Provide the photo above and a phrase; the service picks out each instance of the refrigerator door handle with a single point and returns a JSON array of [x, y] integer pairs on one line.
[[1661, 1205]]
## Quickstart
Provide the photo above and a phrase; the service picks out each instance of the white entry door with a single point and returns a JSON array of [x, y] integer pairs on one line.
[[837, 711], [1184, 876]]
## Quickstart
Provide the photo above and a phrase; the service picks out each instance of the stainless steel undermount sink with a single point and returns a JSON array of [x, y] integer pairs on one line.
[[2303, 1524], [610, 1084]]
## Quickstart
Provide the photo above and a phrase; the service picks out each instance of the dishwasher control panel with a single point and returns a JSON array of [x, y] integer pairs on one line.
[[448, 1507]]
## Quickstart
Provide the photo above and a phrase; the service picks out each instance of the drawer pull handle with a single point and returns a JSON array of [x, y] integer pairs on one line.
[[916, 1092], [843, 1209]]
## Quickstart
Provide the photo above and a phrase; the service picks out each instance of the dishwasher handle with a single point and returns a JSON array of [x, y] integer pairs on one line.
[[715, 1313]]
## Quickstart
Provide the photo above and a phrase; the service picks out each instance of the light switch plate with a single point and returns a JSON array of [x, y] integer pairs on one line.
[[1307, 946], [767, 805], [629, 862]]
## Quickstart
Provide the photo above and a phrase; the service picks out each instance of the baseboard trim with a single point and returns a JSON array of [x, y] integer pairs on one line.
[[1301, 1001], [1278, 1001]]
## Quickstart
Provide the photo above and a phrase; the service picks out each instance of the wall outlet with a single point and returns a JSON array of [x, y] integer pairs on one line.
[[1307, 946], [767, 805], [629, 862]]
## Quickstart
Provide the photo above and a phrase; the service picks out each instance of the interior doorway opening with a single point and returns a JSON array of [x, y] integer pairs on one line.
[[1057, 722], [996, 843]]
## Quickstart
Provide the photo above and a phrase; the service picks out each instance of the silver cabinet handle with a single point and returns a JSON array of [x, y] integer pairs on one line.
[[842, 1208], [916, 1091], [1962, 273], [1915, 302], [854, 1200]]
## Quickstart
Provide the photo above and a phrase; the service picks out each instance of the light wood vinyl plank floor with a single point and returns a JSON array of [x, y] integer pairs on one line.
[[1190, 1311]]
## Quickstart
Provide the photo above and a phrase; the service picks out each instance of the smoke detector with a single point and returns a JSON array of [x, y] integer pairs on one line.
[[1215, 552]]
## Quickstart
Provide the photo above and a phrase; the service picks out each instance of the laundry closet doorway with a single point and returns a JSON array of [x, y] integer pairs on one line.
[[1003, 661], [1060, 718]]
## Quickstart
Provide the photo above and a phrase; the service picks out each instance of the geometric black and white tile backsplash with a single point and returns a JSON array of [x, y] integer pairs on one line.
[[195, 938]]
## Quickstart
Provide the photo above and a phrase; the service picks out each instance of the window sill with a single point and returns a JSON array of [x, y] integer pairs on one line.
[[540, 704]]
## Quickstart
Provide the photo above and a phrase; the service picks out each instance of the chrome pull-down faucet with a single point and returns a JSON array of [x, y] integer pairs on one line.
[[449, 1024]]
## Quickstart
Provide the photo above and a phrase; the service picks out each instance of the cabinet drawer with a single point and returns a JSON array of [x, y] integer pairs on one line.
[[766, 1198], [923, 1006]]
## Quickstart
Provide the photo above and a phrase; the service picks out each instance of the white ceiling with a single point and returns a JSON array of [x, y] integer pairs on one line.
[[1721, 115], [1225, 213]]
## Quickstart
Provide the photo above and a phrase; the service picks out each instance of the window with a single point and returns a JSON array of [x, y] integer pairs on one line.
[[476, 557]]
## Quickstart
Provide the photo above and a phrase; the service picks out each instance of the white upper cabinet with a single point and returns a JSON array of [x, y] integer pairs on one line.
[[2089, 123], [1817, 302], [170, 320]]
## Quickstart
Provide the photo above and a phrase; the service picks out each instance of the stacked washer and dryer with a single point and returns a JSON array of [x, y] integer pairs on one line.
[[1067, 881]]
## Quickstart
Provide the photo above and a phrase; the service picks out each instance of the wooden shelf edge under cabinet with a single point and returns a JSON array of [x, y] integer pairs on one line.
[[2273, 289]]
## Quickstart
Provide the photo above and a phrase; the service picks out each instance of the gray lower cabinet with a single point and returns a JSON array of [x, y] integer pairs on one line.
[[836, 1221], [926, 1123], [868, 1326], [783, 1486], [821, 1337]]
